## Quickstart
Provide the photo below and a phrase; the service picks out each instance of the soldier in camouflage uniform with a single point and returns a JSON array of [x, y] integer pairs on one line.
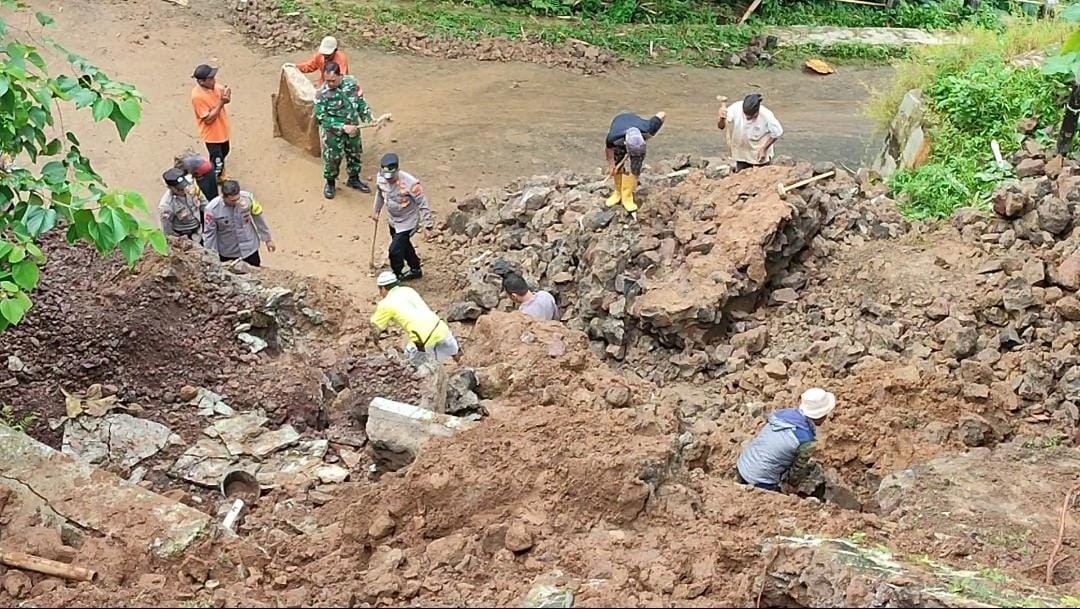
[[340, 108]]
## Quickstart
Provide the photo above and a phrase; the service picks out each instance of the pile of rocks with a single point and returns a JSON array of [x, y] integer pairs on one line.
[[758, 52], [663, 292], [725, 278], [268, 27]]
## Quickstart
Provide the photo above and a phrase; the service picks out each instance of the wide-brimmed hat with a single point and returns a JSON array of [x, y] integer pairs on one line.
[[817, 403]]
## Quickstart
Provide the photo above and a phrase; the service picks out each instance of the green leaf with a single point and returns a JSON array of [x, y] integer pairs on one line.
[[82, 220], [25, 274], [5, 249], [35, 58], [136, 200], [158, 242], [53, 147], [130, 108], [54, 172], [83, 97], [8, 287], [12, 310], [132, 248], [1071, 44], [35, 252], [65, 84], [102, 109], [38, 117], [44, 19], [39, 220], [1071, 14], [5, 84], [113, 218], [18, 253], [123, 125]]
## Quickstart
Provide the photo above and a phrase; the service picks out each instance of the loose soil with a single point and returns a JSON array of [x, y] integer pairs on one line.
[[585, 474]]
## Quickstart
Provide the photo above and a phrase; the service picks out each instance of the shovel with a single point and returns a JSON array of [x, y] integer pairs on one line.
[[374, 238]]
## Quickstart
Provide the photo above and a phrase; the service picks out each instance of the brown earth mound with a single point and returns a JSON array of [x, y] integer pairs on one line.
[[587, 479], [561, 370]]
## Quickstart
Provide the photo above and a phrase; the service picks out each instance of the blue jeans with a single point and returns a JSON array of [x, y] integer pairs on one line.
[[767, 487]]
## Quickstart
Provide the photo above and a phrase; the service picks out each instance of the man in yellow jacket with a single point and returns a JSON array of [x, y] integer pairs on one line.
[[404, 307]]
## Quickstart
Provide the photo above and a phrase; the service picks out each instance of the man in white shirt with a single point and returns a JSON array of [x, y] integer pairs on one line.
[[754, 130], [539, 304]]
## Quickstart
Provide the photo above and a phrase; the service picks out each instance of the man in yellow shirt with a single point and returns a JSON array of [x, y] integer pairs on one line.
[[403, 307]]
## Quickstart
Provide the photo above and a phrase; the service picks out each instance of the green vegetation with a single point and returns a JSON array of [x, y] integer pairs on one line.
[[59, 188], [695, 32], [975, 94], [8, 418]]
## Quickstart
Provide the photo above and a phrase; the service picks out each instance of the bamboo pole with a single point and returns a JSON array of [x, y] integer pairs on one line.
[[37, 564]]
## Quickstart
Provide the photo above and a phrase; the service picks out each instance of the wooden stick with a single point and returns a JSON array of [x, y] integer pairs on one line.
[[1053, 561], [385, 118], [750, 9], [374, 237], [46, 566], [783, 190]]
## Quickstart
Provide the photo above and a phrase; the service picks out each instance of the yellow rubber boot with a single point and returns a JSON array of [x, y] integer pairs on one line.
[[616, 196], [629, 183]]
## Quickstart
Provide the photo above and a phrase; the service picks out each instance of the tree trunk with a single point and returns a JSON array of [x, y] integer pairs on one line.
[[1068, 122]]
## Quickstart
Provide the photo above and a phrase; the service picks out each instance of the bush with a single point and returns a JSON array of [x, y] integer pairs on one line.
[[970, 108], [941, 15]]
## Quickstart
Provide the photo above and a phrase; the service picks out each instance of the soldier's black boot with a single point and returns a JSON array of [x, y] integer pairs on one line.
[[358, 184], [329, 190]]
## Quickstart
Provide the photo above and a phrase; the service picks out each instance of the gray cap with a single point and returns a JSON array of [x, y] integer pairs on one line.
[[635, 142]]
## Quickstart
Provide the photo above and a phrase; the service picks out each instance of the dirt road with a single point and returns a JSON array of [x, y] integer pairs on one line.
[[460, 125]]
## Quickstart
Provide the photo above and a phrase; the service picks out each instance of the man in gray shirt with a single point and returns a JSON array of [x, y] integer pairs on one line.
[[539, 304]]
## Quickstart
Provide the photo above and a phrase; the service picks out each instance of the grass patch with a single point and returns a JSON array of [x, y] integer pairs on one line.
[[688, 35], [975, 95], [941, 15]]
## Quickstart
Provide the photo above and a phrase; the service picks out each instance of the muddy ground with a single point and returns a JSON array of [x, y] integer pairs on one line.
[[603, 466], [460, 124]]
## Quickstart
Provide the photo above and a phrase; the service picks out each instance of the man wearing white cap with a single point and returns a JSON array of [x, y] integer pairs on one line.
[[328, 51], [625, 150], [781, 451], [403, 307]]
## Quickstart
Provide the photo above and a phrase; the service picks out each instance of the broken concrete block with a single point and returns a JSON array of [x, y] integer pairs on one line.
[[116, 438], [206, 462], [244, 435], [57, 489], [397, 430]]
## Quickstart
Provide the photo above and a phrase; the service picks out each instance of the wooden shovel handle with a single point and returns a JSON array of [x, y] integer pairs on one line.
[[801, 183], [38, 564]]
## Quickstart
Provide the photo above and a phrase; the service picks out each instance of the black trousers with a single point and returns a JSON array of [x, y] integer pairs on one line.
[[633, 164], [253, 259], [218, 152], [402, 251], [208, 185], [740, 165]]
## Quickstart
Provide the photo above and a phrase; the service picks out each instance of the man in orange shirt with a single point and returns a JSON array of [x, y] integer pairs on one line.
[[328, 51], [208, 99]]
